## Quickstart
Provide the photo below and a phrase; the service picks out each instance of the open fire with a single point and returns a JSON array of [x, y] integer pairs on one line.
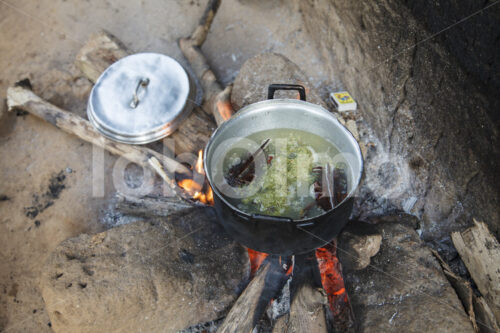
[[328, 264], [332, 281], [200, 192]]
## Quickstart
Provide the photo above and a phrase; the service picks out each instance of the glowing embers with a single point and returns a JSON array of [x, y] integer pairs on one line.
[[324, 263], [333, 283]]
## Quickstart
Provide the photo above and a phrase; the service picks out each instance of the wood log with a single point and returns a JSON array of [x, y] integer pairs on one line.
[[340, 315], [462, 288], [249, 307], [482, 318], [217, 99], [485, 318], [480, 251], [307, 311], [200, 33], [281, 324], [21, 97], [99, 52], [240, 317], [102, 49], [151, 206], [309, 301]]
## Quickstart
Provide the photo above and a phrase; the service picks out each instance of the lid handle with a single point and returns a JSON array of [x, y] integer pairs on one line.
[[143, 83]]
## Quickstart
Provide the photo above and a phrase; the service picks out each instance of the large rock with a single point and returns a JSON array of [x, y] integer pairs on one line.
[[359, 242], [257, 73], [159, 276], [433, 120], [404, 288]]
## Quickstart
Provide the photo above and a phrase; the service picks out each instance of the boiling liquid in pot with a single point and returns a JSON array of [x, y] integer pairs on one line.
[[302, 175]]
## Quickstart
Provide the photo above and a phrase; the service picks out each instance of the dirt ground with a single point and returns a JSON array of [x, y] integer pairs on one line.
[[46, 175]]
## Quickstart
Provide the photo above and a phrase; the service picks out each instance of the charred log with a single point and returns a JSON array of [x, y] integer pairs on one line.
[[250, 306], [151, 206], [309, 302]]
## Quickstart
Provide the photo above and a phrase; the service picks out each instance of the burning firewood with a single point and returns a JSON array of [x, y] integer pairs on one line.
[[252, 303], [331, 278], [103, 49], [308, 301], [307, 312], [318, 298], [195, 183]]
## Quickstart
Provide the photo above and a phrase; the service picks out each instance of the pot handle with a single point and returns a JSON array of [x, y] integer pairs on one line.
[[280, 86]]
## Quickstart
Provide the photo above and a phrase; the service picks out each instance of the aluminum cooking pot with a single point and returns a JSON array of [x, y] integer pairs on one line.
[[273, 234]]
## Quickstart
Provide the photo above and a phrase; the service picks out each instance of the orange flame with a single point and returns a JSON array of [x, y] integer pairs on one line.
[[210, 196], [199, 163], [190, 186], [194, 189], [256, 259], [225, 109], [331, 277]]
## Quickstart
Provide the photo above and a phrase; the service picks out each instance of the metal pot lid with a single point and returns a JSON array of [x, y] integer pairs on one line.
[[141, 98]]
